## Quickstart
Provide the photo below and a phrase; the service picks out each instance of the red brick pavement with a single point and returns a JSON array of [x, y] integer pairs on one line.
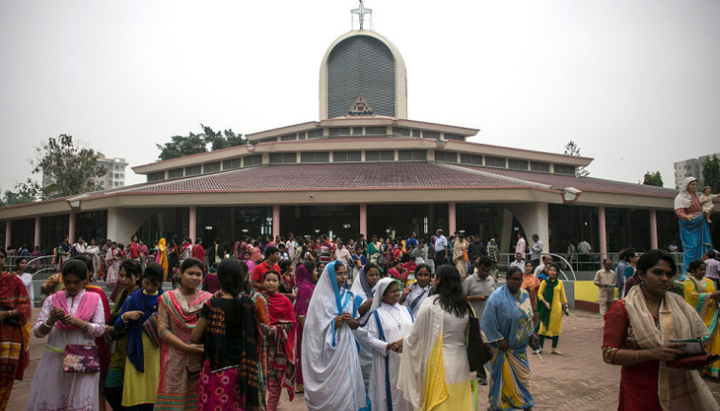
[[577, 381]]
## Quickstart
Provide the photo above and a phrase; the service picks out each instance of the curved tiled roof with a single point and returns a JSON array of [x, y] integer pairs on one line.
[[332, 176], [560, 182]]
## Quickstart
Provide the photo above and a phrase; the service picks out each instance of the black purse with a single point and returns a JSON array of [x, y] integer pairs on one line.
[[478, 351]]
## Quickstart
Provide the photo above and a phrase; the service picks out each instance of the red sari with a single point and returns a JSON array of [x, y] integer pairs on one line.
[[638, 383], [14, 339], [281, 346]]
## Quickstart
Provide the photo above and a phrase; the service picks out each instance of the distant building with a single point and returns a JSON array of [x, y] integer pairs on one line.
[[690, 168], [115, 176]]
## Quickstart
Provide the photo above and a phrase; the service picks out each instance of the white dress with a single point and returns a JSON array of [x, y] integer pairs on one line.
[[396, 323], [52, 389]]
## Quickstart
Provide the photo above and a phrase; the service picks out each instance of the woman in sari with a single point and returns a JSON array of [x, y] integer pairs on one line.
[[281, 341], [434, 369], [263, 320], [390, 322], [287, 280], [413, 296], [15, 313], [459, 257], [173, 256], [142, 362], [363, 291], [230, 334], [531, 284], [161, 256], [507, 322], [179, 360], [638, 331], [70, 316], [701, 294], [331, 372], [307, 277], [551, 302], [129, 279], [374, 250], [112, 259]]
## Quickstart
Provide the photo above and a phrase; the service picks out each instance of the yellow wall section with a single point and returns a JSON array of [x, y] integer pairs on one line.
[[587, 291]]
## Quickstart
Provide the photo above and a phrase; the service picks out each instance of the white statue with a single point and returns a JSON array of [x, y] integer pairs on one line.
[[706, 200]]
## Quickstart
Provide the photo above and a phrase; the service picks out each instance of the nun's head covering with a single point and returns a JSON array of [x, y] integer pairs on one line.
[[379, 290]]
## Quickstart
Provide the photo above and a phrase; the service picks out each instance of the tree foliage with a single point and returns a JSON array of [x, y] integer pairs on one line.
[[180, 146], [711, 173], [68, 170], [10, 198], [653, 179], [572, 149]]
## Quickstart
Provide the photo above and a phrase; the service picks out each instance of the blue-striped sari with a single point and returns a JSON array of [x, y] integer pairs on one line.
[[511, 318]]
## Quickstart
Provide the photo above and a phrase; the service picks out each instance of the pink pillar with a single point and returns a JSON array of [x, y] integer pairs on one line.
[[192, 230], [653, 229], [37, 231], [452, 216], [71, 228], [8, 231], [603, 231], [276, 220], [363, 220]]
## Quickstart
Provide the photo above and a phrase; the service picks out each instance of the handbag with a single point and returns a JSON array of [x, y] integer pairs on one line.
[[80, 358], [150, 328], [478, 350]]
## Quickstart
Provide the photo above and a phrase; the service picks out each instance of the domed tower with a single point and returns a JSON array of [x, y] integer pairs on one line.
[[363, 75]]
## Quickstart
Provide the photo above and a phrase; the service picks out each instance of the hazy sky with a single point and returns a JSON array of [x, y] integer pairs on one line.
[[635, 83]]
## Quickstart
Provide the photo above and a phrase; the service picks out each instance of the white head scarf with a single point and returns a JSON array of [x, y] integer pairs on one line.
[[330, 356], [379, 290], [684, 198]]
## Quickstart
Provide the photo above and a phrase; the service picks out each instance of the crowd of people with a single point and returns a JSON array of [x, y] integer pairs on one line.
[[386, 322]]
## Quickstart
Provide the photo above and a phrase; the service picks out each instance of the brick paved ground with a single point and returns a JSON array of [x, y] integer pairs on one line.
[[577, 381]]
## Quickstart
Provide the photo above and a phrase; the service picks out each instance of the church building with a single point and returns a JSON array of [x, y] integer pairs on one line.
[[364, 167]]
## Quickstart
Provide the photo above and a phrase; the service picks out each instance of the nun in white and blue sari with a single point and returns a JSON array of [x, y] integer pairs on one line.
[[507, 322], [363, 289], [390, 322], [331, 364]]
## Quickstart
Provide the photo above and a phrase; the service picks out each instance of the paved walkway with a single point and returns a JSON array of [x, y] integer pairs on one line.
[[577, 381]]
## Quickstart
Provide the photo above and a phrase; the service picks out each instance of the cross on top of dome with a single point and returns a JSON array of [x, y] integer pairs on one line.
[[361, 11]]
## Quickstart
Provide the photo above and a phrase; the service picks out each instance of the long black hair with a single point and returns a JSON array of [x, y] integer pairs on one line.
[[231, 275], [449, 290]]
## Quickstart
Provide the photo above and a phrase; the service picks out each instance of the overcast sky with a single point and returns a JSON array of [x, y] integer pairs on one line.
[[635, 83]]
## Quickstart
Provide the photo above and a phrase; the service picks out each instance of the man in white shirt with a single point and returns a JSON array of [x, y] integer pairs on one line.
[[290, 246], [519, 262], [605, 281], [536, 250], [712, 268], [441, 245], [584, 249]]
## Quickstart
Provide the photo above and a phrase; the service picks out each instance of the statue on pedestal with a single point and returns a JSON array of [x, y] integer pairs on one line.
[[694, 228]]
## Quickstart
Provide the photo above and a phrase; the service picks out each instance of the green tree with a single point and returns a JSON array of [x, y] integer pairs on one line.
[[67, 169], [14, 198], [180, 146], [653, 179], [711, 173], [572, 149]]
